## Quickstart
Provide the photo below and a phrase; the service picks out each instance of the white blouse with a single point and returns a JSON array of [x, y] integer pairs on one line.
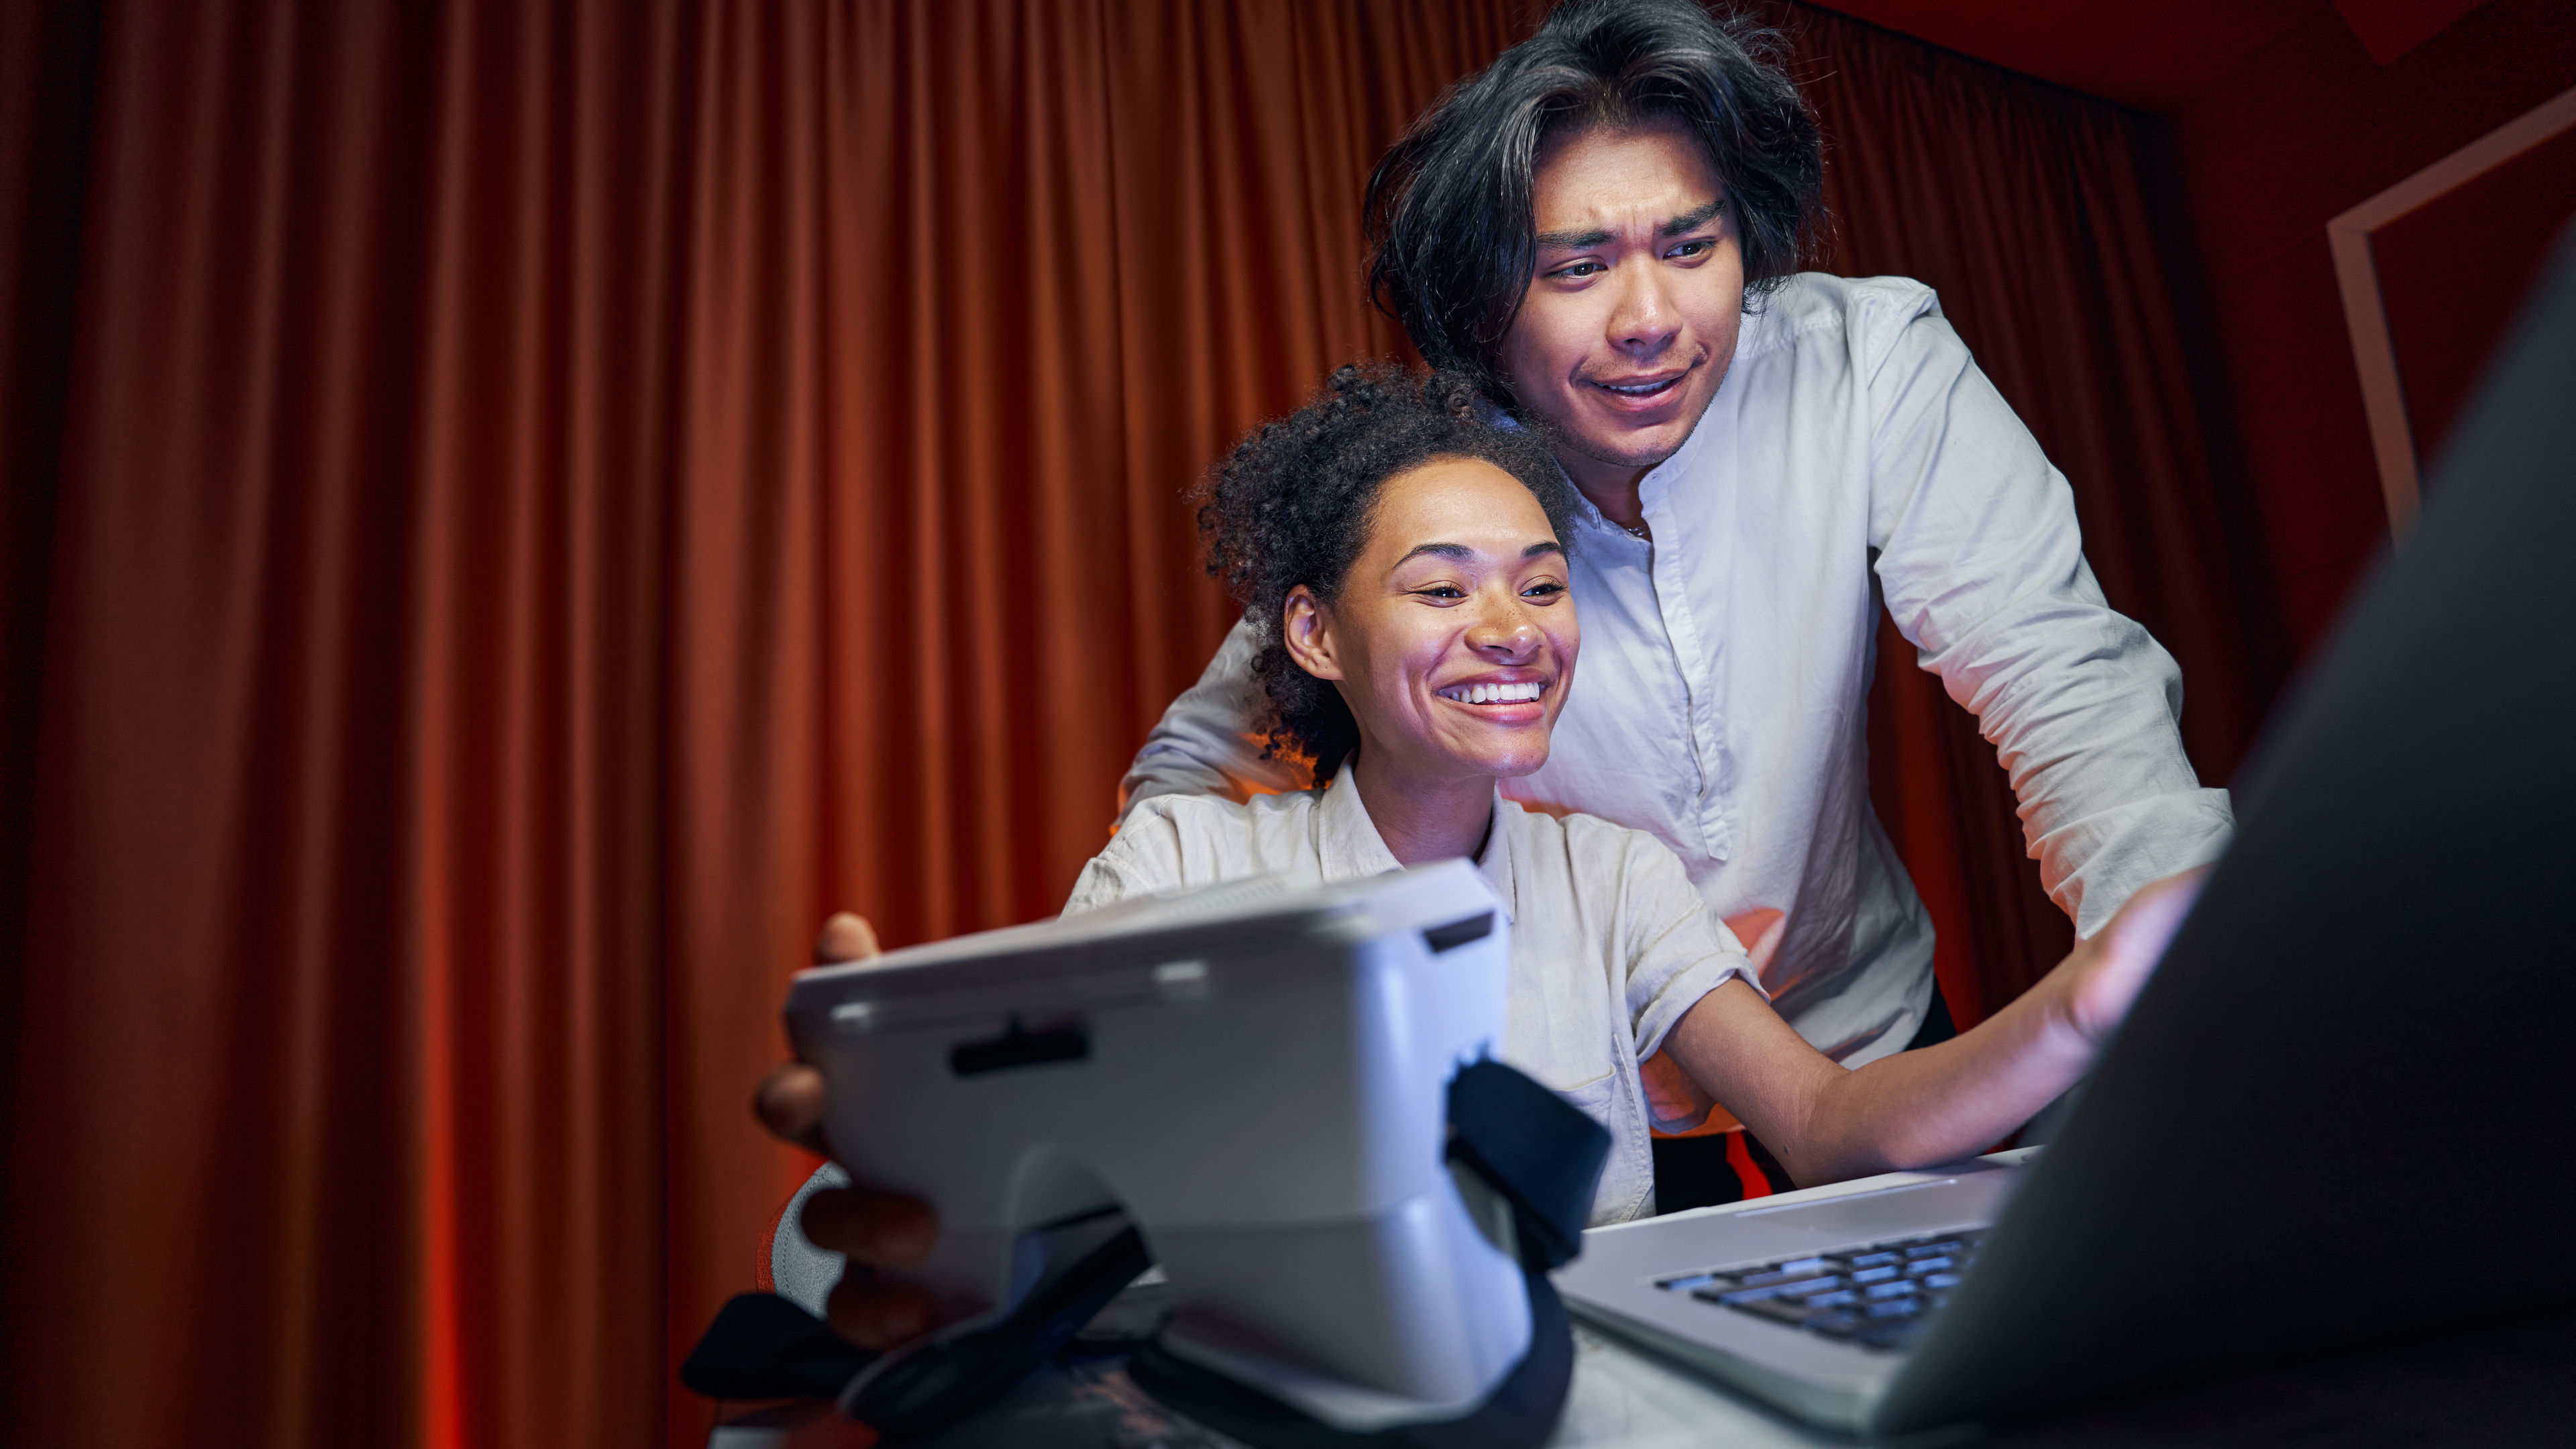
[[1611, 943]]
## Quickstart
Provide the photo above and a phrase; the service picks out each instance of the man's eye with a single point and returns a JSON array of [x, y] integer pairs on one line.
[[1578, 271], [1691, 249]]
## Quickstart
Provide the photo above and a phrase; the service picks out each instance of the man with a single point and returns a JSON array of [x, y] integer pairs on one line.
[[1603, 226]]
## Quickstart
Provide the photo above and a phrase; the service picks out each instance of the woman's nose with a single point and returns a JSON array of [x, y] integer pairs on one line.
[[1505, 632]]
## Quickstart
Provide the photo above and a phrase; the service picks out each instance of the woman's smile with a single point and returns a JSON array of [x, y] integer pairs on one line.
[[1453, 636], [1500, 699]]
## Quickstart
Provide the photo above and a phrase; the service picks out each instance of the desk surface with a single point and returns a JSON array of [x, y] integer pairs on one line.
[[2507, 1385], [1620, 1400], [2515, 1386]]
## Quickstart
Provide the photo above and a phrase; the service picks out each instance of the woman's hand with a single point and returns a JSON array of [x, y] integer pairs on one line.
[[2111, 968], [878, 1230]]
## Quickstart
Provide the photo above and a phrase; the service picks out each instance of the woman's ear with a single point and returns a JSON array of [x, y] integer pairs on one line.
[[1307, 630]]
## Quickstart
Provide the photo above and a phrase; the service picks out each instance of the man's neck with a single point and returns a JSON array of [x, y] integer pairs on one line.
[[1424, 819], [1611, 487]]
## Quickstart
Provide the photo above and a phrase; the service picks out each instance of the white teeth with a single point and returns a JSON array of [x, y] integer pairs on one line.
[[1524, 692]]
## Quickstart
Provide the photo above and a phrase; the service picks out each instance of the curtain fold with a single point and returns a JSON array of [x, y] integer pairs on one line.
[[514, 511]]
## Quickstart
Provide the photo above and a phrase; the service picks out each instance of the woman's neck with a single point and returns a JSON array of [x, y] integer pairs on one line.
[[1423, 818]]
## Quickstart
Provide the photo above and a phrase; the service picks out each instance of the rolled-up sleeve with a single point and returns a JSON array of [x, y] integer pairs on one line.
[[1210, 741], [1982, 564], [1676, 951]]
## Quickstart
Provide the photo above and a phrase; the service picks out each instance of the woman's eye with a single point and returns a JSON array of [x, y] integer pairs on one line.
[[1442, 591], [1543, 591]]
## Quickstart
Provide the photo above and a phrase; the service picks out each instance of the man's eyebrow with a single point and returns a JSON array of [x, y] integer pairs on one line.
[[1691, 220], [1575, 241]]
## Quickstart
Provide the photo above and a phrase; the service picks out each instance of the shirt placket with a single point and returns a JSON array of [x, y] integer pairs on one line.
[[1693, 660]]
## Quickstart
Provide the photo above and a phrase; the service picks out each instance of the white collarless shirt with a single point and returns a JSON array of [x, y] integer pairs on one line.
[[1611, 943], [1853, 451]]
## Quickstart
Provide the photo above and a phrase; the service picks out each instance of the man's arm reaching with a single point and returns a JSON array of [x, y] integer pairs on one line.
[[1983, 567], [1209, 741]]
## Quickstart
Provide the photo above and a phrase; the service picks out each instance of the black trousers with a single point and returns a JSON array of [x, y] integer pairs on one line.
[[1696, 1171]]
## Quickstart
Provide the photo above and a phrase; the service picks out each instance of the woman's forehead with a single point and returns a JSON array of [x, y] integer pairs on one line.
[[1466, 501]]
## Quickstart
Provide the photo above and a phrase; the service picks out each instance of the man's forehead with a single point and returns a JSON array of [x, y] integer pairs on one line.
[[1618, 181], [1581, 237]]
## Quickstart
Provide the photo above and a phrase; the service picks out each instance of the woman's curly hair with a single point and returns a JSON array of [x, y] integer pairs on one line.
[[1295, 501]]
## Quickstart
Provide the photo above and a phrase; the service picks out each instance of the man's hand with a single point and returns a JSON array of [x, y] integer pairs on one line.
[[876, 1229], [2113, 966]]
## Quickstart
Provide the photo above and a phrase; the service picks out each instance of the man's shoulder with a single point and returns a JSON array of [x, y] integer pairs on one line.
[[1818, 309]]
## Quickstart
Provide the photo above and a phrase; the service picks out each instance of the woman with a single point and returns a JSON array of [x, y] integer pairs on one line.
[[1403, 564]]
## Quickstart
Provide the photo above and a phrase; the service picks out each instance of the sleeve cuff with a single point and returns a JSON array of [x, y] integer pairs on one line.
[[1684, 991]]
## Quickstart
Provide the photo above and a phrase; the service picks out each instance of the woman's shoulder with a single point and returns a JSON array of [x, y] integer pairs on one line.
[[1213, 817], [1573, 830], [1593, 851], [1172, 841]]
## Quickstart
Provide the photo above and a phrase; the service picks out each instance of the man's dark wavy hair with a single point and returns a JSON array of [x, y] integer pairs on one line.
[[1449, 208], [1295, 501]]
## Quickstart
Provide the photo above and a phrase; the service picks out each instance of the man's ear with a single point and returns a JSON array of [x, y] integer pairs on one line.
[[1307, 629]]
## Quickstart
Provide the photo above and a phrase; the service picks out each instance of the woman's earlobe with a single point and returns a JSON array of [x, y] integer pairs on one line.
[[1307, 633]]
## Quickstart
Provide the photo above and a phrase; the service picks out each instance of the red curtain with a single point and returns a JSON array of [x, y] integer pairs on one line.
[[513, 511]]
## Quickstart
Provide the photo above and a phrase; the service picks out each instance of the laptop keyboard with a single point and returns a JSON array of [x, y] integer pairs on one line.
[[1877, 1296]]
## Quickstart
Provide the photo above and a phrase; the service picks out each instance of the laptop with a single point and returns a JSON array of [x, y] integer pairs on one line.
[[2342, 1112]]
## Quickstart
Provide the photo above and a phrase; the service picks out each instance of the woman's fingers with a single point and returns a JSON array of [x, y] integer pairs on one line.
[[877, 1230], [791, 1098], [874, 1228], [879, 1313], [790, 1104], [847, 936]]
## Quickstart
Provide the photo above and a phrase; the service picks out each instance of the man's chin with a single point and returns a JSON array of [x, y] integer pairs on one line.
[[1625, 448], [1615, 442]]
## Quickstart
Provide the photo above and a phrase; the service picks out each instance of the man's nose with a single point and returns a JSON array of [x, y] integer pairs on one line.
[[1643, 321]]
